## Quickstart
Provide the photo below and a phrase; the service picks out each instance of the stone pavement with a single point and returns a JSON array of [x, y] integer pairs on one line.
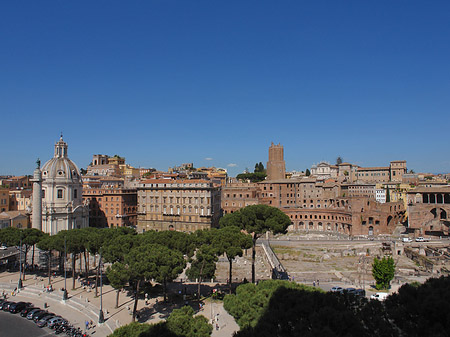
[[82, 305]]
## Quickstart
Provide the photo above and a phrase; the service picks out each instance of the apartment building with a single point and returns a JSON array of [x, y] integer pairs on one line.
[[177, 204]]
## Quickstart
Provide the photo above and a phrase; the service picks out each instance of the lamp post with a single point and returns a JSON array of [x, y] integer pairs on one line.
[[65, 271], [101, 318], [20, 285]]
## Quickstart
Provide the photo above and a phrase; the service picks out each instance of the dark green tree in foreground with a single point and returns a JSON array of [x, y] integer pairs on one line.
[[383, 272], [181, 323], [257, 220], [307, 172], [251, 300]]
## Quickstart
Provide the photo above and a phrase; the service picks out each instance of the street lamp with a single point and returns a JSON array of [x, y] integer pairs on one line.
[[101, 318], [65, 271], [20, 285]]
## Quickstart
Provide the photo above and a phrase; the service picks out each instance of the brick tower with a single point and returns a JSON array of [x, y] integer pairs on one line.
[[276, 168]]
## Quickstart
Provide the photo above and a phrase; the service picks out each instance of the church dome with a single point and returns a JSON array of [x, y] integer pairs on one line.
[[60, 167]]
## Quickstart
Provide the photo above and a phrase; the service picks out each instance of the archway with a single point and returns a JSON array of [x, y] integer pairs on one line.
[[443, 214], [434, 212], [370, 230], [388, 221]]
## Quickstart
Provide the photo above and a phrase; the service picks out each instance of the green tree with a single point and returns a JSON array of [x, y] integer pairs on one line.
[[183, 323], [251, 301], [135, 329], [47, 244], [170, 264], [339, 160], [231, 242], [257, 220], [74, 245], [179, 241], [253, 177], [307, 172], [388, 195], [203, 266], [118, 277], [31, 237], [383, 272], [151, 261]]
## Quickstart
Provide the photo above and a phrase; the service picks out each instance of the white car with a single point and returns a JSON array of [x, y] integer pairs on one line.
[[3, 248], [420, 239], [379, 296], [407, 240], [337, 290]]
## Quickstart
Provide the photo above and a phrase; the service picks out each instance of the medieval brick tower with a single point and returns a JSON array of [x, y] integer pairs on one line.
[[276, 168]]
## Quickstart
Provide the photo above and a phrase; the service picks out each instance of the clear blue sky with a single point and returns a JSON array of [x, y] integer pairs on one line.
[[167, 82]]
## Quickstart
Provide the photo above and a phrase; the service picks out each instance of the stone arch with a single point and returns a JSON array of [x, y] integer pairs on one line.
[[443, 214], [320, 226], [311, 225], [434, 212], [388, 220], [439, 198], [370, 231], [432, 199], [446, 198]]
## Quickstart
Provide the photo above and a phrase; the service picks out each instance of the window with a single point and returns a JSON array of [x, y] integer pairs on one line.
[[75, 193], [60, 193]]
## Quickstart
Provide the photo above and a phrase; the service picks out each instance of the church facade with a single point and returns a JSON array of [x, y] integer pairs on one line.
[[57, 194]]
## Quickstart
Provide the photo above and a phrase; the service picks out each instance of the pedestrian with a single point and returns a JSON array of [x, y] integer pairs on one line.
[[87, 325], [314, 283], [91, 324], [318, 283], [217, 326]]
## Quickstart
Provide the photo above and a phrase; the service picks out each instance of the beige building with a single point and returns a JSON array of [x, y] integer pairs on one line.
[[20, 200], [183, 205], [324, 170], [17, 219], [4, 199]]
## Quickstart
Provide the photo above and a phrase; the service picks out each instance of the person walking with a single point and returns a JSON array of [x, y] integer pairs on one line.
[[87, 325]]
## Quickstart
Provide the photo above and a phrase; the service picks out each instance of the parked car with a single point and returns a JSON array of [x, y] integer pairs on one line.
[[54, 321], [337, 289], [44, 320], [17, 307], [40, 316], [34, 312], [25, 311], [420, 239], [407, 240], [379, 296], [360, 292], [6, 304], [351, 291], [3, 248]]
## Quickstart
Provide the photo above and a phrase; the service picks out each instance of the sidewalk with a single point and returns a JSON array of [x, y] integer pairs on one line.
[[82, 305]]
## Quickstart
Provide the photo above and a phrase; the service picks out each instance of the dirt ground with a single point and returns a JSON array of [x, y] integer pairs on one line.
[[308, 259]]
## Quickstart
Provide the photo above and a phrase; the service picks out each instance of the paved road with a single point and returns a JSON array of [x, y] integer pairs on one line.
[[13, 325]]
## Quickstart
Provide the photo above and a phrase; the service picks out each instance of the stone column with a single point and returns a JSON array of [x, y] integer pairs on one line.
[[36, 219]]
